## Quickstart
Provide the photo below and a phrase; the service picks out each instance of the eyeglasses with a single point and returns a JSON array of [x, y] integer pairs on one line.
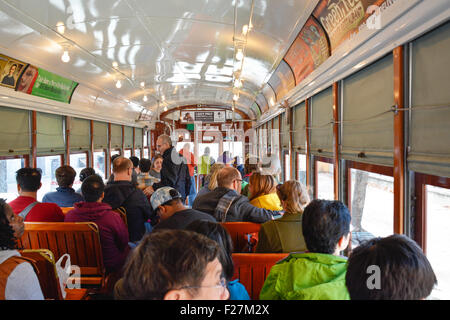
[[223, 285]]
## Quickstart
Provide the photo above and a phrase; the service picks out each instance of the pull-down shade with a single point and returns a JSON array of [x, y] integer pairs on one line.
[[138, 138], [299, 125], [15, 130], [322, 123], [368, 123], [50, 134], [80, 137], [116, 136], [128, 137], [100, 135], [430, 124], [276, 135], [285, 130]]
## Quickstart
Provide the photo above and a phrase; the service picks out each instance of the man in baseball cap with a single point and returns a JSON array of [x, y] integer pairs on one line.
[[168, 204]]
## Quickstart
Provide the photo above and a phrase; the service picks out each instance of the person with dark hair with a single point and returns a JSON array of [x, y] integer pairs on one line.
[[218, 233], [319, 273], [84, 173], [113, 231], [226, 204], [173, 265], [123, 193], [18, 279], [251, 165], [26, 205], [135, 161], [391, 268], [9, 78], [65, 195], [144, 178], [167, 203], [155, 169]]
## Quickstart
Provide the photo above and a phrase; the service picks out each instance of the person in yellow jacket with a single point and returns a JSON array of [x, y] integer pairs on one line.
[[285, 235], [263, 192]]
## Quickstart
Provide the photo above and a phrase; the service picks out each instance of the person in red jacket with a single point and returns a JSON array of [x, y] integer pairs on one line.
[[26, 205], [191, 163], [113, 231]]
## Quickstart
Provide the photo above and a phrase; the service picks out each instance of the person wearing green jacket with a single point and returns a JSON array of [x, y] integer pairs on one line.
[[318, 274]]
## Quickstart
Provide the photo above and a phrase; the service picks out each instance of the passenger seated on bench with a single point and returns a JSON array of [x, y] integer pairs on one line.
[[391, 268], [226, 204], [173, 265], [263, 192], [65, 195], [123, 193], [285, 235], [167, 202], [112, 229], [144, 178], [218, 233], [26, 205], [320, 273], [84, 173], [18, 279]]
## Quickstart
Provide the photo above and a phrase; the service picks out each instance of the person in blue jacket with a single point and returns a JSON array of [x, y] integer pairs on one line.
[[218, 233], [65, 195]]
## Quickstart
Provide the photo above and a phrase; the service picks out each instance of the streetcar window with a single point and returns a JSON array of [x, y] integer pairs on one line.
[[127, 153], [137, 153], [325, 180], [301, 168], [287, 167], [99, 163], [8, 184], [146, 153], [438, 238], [48, 165], [78, 162], [372, 205]]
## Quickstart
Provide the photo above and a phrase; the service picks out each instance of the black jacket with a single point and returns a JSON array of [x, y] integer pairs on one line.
[[123, 193], [174, 174], [240, 209]]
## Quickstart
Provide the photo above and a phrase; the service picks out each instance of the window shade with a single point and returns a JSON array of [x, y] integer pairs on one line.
[[116, 136], [50, 134], [285, 130], [299, 139], [321, 127], [276, 135], [100, 135], [128, 139], [368, 124], [15, 130], [430, 126], [138, 138], [80, 137]]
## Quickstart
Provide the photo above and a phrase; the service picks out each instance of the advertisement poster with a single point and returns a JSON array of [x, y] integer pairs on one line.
[[203, 116], [341, 18], [10, 71], [51, 86], [309, 50]]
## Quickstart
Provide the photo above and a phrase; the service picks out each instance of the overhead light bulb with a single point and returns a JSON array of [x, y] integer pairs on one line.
[[237, 83], [235, 97], [244, 29], [118, 84], [142, 84], [163, 98], [60, 28], [65, 56], [145, 98], [165, 108], [239, 55], [115, 64]]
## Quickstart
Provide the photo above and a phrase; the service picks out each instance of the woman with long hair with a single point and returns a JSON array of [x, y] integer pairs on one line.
[[285, 234], [211, 179], [263, 192]]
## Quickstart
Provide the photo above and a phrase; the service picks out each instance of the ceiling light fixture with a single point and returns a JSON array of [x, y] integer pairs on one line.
[[235, 97], [237, 83], [245, 29], [65, 56], [142, 84], [118, 84], [239, 55], [145, 99], [165, 108], [60, 28], [115, 64]]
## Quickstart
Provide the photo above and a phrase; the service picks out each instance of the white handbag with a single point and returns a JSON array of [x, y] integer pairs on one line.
[[63, 272]]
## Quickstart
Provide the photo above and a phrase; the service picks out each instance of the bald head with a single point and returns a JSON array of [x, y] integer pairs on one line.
[[230, 178], [122, 169]]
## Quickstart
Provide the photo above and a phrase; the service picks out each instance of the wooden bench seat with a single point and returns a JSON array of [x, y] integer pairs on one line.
[[238, 232]]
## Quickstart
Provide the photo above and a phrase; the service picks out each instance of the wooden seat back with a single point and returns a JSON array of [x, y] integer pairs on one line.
[[81, 240], [66, 209], [252, 269], [123, 214], [238, 232]]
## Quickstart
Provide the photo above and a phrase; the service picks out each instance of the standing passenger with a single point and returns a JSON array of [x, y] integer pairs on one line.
[[190, 160]]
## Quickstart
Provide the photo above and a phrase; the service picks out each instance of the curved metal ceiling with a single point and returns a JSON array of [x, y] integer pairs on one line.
[[179, 50]]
